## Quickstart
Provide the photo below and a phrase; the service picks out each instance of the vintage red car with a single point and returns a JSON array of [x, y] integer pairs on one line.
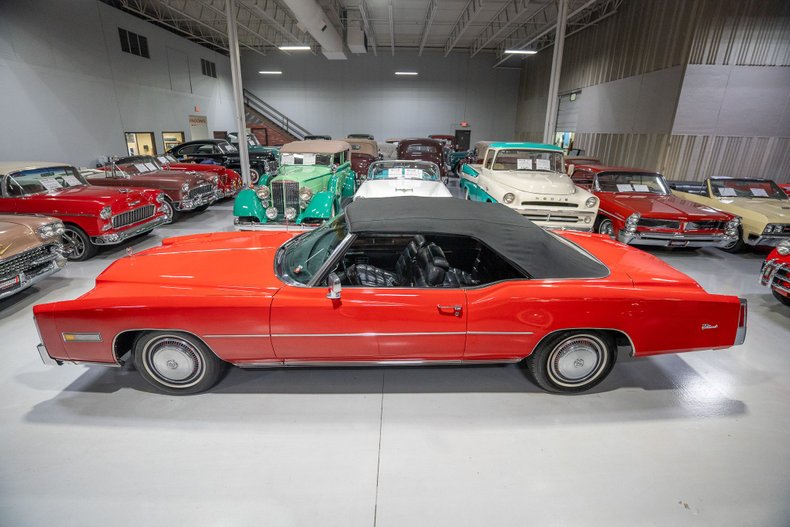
[[91, 215], [785, 187], [229, 181], [776, 272], [364, 152], [638, 207], [424, 149], [448, 140], [398, 281]]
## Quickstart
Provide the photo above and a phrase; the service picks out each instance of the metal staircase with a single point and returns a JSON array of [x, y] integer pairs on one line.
[[279, 127]]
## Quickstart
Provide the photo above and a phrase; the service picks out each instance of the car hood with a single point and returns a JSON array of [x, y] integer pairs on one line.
[[301, 172], [385, 188], [121, 197], [665, 207], [205, 260], [17, 236], [164, 179], [537, 182], [772, 210]]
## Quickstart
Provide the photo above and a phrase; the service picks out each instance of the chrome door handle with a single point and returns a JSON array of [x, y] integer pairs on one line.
[[455, 309]]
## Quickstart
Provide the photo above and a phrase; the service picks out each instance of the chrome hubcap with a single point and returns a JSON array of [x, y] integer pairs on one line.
[[173, 361], [75, 241], [254, 176], [168, 211], [577, 360], [606, 228]]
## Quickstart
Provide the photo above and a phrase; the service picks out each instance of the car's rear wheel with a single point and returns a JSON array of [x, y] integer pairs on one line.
[[176, 363], [605, 226], [783, 299], [80, 243], [572, 361], [737, 245]]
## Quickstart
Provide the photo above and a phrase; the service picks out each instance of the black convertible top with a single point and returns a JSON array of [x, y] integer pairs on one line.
[[515, 238]]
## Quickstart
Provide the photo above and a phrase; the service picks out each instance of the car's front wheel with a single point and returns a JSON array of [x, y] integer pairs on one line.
[[572, 361], [605, 226], [79, 243], [177, 363], [735, 246], [783, 299], [171, 214]]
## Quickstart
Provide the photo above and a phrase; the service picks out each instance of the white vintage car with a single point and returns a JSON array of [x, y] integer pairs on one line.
[[530, 178], [387, 179]]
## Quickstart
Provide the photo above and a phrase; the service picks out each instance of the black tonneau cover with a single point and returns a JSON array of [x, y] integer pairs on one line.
[[518, 240]]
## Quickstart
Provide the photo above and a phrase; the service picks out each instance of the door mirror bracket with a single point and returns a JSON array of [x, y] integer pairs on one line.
[[334, 287]]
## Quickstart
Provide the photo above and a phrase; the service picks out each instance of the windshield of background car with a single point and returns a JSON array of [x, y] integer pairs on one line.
[[746, 188], [421, 149], [307, 253], [228, 148], [306, 159], [142, 166], [645, 183], [537, 160], [44, 180], [401, 170]]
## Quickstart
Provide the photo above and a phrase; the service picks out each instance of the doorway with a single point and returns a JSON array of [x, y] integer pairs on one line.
[[171, 139], [140, 143]]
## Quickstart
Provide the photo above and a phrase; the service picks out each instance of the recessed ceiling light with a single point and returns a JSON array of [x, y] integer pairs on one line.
[[520, 52], [294, 48], [271, 72], [406, 73]]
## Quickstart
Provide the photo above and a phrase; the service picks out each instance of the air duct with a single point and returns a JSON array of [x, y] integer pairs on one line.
[[311, 18], [355, 35]]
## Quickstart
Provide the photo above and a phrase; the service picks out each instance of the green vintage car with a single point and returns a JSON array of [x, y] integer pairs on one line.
[[313, 183]]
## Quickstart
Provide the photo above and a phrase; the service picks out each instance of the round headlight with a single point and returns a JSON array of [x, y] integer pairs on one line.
[[215, 179], [46, 231], [271, 213], [290, 213], [305, 194], [106, 213], [185, 187], [509, 198], [778, 228], [591, 202], [262, 192], [783, 248]]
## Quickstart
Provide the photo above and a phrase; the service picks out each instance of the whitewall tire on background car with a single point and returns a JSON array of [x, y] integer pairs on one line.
[[572, 361], [605, 226]]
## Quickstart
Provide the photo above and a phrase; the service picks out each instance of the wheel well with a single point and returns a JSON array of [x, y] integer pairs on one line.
[[124, 341], [621, 338]]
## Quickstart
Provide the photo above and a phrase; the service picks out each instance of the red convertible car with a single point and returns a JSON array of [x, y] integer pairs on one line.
[[785, 187], [398, 281], [638, 208], [776, 272], [424, 150], [91, 215]]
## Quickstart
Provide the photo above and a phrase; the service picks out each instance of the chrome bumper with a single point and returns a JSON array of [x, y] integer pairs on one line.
[[199, 201], [140, 228], [45, 358], [26, 281], [660, 239], [769, 276], [768, 241], [740, 334], [269, 226], [570, 219]]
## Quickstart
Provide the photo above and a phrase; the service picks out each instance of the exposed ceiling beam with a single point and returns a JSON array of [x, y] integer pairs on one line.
[[507, 16], [392, 28], [150, 10], [467, 15], [245, 20], [363, 12], [279, 18], [432, 6]]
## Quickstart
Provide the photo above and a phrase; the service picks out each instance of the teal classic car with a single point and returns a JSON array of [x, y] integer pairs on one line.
[[314, 182]]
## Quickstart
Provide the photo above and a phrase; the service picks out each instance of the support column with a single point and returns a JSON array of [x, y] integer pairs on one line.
[[556, 67], [238, 97]]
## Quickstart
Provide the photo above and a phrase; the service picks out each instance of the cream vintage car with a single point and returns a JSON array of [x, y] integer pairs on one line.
[[31, 248], [389, 179], [530, 178], [763, 207]]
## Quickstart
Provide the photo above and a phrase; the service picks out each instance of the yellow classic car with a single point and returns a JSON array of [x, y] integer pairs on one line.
[[763, 207]]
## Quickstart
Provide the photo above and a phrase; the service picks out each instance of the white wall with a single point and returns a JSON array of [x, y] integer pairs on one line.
[[68, 92], [362, 94]]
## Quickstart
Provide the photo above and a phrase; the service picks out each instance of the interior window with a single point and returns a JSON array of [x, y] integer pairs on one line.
[[489, 159], [581, 177], [414, 260]]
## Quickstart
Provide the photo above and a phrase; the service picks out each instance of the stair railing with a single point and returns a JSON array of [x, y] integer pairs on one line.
[[274, 115]]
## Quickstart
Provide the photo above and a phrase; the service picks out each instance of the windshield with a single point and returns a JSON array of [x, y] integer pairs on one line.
[[306, 159], [746, 188], [403, 170], [421, 149], [644, 183], [44, 180], [228, 148], [166, 160], [519, 159], [142, 166], [307, 253]]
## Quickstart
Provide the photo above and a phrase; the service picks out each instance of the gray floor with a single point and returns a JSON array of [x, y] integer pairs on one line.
[[693, 439]]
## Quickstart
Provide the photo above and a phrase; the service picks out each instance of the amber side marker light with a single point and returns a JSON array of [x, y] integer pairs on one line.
[[82, 337]]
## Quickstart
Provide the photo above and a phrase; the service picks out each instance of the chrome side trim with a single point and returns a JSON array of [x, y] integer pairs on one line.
[[369, 334], [500, 333], [368, 363], [740, 334], [261, 335]]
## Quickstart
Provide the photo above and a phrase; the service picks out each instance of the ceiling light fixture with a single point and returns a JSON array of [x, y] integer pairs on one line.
[[520, 52], [406, 73], [294, 48], [271, 72]]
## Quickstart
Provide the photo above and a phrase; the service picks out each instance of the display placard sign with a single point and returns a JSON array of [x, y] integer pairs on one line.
[[412, 172], [288, 159], [72, 181], [150, 166], [759, 192], [50, 183], [162, 160], [523, 164], [395, 172], [542, 164], [624, 187], [726, 191], [140, 168], [308, 159], [641, 188]]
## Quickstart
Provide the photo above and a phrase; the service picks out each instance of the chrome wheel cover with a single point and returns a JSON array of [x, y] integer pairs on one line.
[[168, 211], [577, 360], [173, 361], [72, 238], [606, 227], [254, 176]]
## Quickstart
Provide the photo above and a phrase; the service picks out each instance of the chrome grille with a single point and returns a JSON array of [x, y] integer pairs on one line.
[[556, 217], [285, 194], [705, 226], [549, 204], [26, 261], [659, 224], [133, 216], [199, 191]]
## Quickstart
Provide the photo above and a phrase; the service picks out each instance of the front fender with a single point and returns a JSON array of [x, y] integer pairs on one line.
[[247, 204], [319, 208], [476, 193]]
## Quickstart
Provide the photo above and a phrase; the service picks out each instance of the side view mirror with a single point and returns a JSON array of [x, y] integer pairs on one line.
[[571, 167], [334, 287]]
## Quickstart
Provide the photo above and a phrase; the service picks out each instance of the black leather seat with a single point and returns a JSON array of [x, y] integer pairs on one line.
[[458, 278], [372, 276], [431, 267]]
